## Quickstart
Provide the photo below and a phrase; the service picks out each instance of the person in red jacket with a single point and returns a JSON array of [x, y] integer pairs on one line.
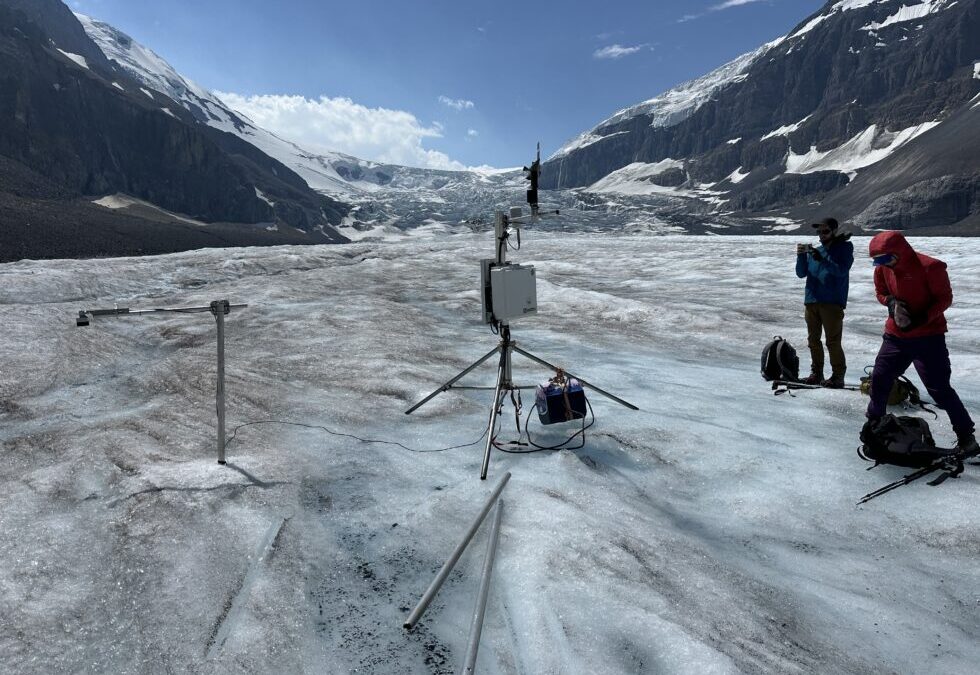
[[916, 290]]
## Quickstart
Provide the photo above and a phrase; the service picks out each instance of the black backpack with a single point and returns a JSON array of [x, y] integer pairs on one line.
[[902, 441], [780, 362]]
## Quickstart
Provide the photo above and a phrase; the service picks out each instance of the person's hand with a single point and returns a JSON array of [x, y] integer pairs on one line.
[[816, 254], [802, 248]]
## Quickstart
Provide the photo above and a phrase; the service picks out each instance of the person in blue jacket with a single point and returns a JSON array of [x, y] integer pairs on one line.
[[826, 269]]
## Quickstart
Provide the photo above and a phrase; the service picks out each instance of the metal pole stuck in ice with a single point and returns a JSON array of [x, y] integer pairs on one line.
[[219, 308], [476, 627], [436, 584]]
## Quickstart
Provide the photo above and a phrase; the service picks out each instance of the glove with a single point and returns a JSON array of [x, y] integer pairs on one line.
[[899, 311]]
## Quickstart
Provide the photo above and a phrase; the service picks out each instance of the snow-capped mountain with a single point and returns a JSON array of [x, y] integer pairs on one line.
[[388, 198], [156, 74], [868, 108], [93, 162]]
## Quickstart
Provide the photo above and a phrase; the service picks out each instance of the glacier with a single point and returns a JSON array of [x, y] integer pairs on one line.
[[714, 531]]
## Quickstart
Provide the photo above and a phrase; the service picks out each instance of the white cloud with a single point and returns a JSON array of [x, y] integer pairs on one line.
[[731, 3], [728, 4], [616, 51], [341, 125], [472, 133], [456, 103]]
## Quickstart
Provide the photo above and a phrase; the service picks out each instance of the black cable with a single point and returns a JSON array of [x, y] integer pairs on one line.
[[358, 438], [564, 445], [560, 446]]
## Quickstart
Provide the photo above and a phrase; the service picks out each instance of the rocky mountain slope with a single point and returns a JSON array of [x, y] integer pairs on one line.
[[77, 127], [870, 110]]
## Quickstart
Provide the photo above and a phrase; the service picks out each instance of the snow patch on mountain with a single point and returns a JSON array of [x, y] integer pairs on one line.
[[637, 179], [907, 13], [737, 176], [976, 71], [786, 130], [119, 201], [813, 23], [261, 195], [585, 140], [843, 6], [846, 5], [80, 60], [141, 62], [866, 148]]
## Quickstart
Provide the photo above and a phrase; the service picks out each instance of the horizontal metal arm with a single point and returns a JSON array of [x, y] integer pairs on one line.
[[119, 311], [86, 315]]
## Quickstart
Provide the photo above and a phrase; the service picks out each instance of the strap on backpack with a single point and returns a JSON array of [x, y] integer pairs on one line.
[[784, 373]]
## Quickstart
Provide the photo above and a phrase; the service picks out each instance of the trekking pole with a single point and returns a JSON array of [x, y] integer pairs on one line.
[[899, 483]]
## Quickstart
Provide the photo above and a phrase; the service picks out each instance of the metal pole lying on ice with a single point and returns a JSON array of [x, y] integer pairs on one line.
[[436, 584], [476, 627]]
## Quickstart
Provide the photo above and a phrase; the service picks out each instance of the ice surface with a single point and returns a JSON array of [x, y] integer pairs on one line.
[[715, 531]]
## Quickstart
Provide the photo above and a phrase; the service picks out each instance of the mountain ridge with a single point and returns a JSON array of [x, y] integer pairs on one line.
[[797, 121]]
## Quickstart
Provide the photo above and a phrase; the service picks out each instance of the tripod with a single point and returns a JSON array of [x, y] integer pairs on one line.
[[505, 349]]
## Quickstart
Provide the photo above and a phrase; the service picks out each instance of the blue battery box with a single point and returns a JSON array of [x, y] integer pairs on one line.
[[550, 400]]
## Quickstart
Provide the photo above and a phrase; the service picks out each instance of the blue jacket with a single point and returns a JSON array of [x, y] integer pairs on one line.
[[827, 272]]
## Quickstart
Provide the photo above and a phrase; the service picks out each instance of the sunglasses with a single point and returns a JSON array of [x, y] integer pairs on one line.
[[824, 230], [886, 259]]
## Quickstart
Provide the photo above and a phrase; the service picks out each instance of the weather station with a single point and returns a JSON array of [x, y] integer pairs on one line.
[[508, 292]]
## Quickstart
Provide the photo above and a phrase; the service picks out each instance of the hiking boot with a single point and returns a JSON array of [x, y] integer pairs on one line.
[[833, 382], [966, 443], [813, 378]]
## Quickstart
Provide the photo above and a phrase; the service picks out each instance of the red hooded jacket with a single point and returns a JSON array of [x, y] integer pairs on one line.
[[919, 281]]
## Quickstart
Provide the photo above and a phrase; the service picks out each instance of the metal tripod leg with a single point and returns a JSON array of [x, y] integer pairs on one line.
[[581, 381], [449, 385], [501, 369]]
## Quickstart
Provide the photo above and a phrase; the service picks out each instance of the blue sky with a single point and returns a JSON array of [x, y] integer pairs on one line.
[[444, 82]]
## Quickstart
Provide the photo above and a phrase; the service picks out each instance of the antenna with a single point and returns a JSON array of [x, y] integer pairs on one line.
[[533, 174]]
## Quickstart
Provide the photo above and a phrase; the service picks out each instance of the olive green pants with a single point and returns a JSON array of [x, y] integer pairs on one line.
[[829, 319]]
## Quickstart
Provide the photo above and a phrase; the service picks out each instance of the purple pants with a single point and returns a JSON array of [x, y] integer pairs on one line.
[[931, 360]]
